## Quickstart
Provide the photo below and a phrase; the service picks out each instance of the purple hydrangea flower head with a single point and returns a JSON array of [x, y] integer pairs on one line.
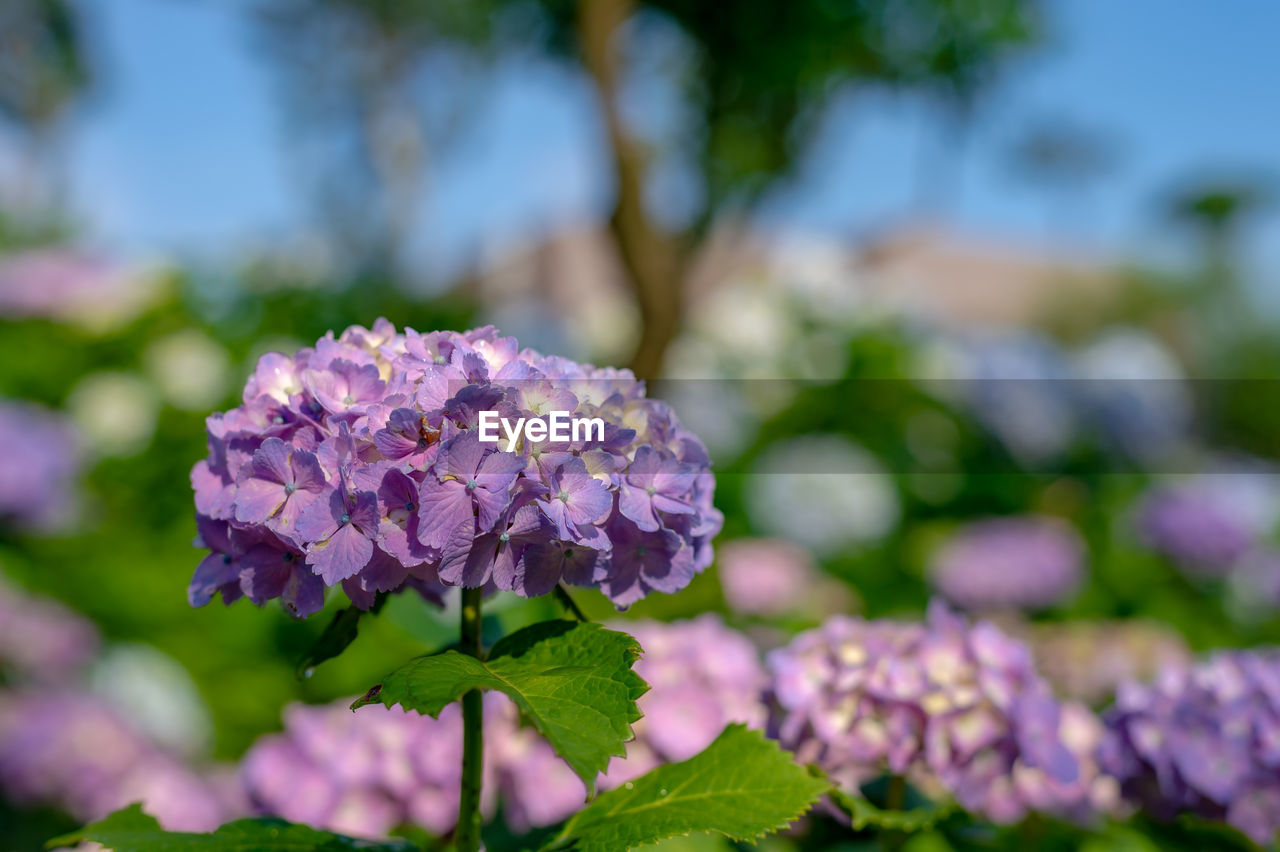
[[1203, 740], [366, 773], [1091, 794], [371, 461], [42, 458], [1022, 563], [71, 751], [40, 639], [535, 786], [1205, 524], [956, 708]]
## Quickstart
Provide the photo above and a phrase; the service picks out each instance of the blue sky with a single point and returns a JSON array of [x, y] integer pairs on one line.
[[184, 150]]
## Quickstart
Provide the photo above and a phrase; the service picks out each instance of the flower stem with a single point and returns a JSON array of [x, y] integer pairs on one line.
[[467, 835], [566, 600], [896, 797]]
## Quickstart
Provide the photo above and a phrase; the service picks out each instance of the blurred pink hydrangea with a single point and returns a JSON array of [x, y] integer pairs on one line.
[[702, 676], [365, 773], [42, 460], [70, 286], [1015, 563], [1205, 524], [773, 577], [40, 639], [68, 750]]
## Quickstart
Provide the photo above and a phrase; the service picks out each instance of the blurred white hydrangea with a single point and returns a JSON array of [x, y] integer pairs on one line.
[[1251, 487], [718, 412], [780, 309], [737, 318], [115, 412], [822, 491], [1136, 392], [157, 693], [1254, 586], [823, 275], [190, 368], [1013, 383]]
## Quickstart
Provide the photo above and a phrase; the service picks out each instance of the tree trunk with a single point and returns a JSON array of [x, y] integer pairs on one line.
[[650, 258]]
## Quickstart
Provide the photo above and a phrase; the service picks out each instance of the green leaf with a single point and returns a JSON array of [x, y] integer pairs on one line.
[[574, 682], [131, 830], [341, 631], [1119, 838], [864, 814], [742, 786]]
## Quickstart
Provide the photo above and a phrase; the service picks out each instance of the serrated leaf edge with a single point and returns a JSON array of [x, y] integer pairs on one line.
[[560, 841]]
